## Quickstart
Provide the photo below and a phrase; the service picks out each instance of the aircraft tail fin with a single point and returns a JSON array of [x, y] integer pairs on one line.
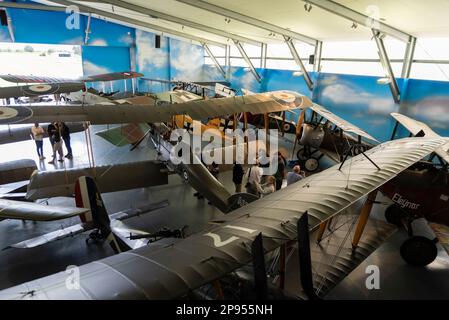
[[420, 129], [87, 195]]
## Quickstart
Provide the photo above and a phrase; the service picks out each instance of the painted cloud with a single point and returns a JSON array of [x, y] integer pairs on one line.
[[148, 56], [186, 60], [93, 69]]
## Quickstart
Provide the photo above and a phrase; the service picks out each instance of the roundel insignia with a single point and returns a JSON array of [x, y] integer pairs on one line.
[[40, 89], [287, 97], [11, 115]]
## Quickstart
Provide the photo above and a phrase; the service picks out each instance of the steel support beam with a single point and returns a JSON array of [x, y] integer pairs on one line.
[[228, 61], [87, 32], [248, 61], [408, 60], [86, 10], [359, 18], [10, 27], [387, 66], [299, 62], [211, 55], [156, 14], [30, 6], [248, 20], [263, 56], [318, 52]]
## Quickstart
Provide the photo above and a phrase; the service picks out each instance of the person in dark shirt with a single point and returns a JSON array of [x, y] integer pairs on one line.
[[65, 134], [56, 140], [280, 173], [237, 177]]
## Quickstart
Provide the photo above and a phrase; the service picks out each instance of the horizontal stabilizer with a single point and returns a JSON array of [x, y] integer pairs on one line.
[[49, 237], [17, 170], [418, 128]]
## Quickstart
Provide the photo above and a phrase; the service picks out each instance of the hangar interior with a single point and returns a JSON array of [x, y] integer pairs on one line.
[[315, 67]]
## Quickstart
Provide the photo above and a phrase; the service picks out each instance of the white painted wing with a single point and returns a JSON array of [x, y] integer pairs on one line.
[[173, 270], [415, 127], [10, 209], [341, 123]]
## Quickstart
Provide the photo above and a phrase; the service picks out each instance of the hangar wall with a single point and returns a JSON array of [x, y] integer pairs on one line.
[[358, 99]]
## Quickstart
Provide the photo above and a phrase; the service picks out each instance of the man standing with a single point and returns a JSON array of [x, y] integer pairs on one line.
[[254, 178], [65, 134], [237, 177], [37, 133], [57, 143]]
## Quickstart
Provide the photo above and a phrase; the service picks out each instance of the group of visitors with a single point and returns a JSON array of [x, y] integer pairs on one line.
[[260, 185], [58, 134]]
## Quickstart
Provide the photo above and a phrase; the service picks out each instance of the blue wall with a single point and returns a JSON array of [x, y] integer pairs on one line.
[[358, 99]]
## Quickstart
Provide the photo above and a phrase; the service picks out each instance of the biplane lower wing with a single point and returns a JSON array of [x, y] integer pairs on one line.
[[20, 133], [10, 209], [109, 178], [416, 127], [171, 271], [197, 110]]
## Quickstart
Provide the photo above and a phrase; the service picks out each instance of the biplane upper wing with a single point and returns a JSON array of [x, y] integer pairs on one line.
[[49, 80], [170, 271], [10, 209], [100, 114], [40, 89], [341, 123], [415, 127]]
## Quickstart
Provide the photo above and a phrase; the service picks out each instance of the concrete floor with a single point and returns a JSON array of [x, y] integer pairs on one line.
[[398, 280]]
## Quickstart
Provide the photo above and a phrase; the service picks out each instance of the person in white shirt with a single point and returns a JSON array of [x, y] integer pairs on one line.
[[37, 133], [267, 188], [254, 177]]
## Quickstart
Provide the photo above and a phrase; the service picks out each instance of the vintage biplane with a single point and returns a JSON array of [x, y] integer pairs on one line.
[[92, 213], [246, 235]]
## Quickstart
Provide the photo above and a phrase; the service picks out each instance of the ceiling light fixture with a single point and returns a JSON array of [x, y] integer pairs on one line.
[[227, 20], [384, 81], [354, 25]]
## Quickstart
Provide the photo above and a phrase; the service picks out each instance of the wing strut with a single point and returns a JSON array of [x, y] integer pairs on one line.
[[363, 219], [305, 259], [260, 274], [351, 151]]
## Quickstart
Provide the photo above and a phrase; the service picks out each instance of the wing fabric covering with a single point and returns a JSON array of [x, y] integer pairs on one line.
[[10, 209], [117, 114], [415, 127], [170, 271], [341, 123]]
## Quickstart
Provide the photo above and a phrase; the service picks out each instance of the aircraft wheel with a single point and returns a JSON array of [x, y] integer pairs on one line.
[[393, 215], [287, 127], [312, 165], [185, 175], [419, 251]]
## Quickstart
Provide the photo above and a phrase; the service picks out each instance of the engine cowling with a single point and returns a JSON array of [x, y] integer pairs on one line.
[[312, 136]]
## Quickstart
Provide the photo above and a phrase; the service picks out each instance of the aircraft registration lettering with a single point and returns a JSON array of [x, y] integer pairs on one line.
[[218, 242]]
